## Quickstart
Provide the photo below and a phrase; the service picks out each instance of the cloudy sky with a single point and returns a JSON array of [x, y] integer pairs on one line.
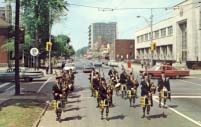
[[76, 23]]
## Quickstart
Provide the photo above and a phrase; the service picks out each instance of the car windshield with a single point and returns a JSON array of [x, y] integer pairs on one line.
[[155, 68], [69, 64]]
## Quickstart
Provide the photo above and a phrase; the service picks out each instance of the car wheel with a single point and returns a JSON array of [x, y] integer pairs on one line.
[[177, 76], [27, 79]]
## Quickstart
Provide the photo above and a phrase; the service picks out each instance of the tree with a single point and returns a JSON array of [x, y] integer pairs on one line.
[[61, 46], [81, 51], [38, 17]]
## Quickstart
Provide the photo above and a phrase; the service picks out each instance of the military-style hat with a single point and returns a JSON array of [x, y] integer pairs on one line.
[[58, 77], [102, 79]]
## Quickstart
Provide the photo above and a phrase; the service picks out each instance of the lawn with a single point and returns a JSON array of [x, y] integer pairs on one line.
[[20, 113]]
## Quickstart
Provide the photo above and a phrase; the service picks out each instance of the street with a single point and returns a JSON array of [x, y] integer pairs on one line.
[[184, 108]]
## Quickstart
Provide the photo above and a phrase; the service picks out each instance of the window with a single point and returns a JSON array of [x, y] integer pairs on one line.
[[156, 34], [170, 30], [141, 38], [163, 32], [138, 39], [146, 37], [150, 36]]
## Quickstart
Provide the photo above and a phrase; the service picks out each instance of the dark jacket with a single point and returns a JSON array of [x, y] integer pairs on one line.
[[145, 89], [130, 84], [102, 93], [56, 89], [163, 83], [123, 78], [96, 84]]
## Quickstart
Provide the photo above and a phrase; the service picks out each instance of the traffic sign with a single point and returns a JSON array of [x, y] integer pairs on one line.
[[34, 51]]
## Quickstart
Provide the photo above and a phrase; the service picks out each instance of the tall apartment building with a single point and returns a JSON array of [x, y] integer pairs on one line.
[[177, 38], [102, 33]]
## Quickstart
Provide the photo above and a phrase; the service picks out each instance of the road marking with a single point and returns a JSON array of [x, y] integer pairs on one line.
[[10, 88], [189, 94], [43, 85], [181, 114], [190, 82], [187, 97], [5, 84], [191, 77]]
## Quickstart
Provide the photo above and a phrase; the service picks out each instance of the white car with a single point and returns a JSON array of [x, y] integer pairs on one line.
[[113, 63], [69, 66], [25, 73]]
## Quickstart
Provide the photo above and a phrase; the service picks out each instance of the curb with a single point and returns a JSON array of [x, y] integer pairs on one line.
[[36, 124]]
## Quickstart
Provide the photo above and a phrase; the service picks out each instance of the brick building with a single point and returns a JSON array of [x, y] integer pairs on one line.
[[124, 48], [3, 37]]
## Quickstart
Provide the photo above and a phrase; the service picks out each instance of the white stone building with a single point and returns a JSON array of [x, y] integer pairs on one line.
[[177, 38]]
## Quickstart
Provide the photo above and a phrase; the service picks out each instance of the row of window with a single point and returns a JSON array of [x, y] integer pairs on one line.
[[168, 31]]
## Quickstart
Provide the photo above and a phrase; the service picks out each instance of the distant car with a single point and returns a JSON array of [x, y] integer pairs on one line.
[[69, 66], [113, 63], [25, 73], [169, 71], [105, 62], [97, 63], [88, 68]]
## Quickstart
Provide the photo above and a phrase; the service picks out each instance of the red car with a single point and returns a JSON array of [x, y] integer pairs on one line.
[[169, 71]]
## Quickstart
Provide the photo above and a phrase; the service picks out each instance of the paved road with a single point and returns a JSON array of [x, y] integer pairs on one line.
[[184, 109]]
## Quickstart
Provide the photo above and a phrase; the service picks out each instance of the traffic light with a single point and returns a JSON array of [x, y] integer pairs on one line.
[[11, 33], [48, 46], [21, 34], [153, 46]]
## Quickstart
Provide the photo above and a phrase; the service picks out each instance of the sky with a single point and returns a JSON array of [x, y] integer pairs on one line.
[[76, 23]]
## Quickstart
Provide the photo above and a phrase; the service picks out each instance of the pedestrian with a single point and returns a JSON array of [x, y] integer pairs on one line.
[[46, 67], [142, 63]]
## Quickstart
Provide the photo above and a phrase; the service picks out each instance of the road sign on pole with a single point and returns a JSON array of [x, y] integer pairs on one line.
[[34, 51]]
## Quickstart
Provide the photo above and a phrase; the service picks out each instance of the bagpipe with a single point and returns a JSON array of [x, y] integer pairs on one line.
[[153, 88]]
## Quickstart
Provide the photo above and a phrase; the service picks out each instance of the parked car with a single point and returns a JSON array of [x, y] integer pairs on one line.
[[105, 62], [169, 71], [97, 63], [25, 73], [69, 66], [88, 68], [113, 63]]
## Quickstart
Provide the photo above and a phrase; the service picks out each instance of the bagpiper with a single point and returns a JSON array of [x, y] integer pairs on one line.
[[112, 73], [163, 89], [130, 91], [57, 94], [92, 76], [104, 98], [96, 85], [123, 79], [146, 96]]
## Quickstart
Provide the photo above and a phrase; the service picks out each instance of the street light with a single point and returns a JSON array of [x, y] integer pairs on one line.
[[150, 22]]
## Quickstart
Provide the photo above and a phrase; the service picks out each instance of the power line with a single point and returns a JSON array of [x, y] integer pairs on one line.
[[135, 8]]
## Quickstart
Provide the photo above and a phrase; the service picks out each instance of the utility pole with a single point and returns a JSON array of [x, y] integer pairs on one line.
[[50, 41], [151, 38], [17, 76]]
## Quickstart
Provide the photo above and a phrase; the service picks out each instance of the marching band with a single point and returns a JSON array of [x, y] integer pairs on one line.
[[102, 90]]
